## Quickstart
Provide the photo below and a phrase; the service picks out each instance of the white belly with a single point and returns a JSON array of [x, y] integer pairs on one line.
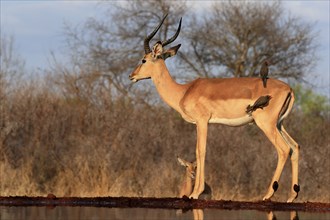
[[232, 121]]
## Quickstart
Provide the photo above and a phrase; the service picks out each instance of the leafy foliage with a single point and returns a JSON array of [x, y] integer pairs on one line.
[[310, 103]]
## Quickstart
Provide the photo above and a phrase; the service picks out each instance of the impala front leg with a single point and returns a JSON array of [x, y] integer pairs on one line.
[[200, 158]]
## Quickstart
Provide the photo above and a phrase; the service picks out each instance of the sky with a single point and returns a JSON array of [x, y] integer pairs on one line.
[[37, 27]]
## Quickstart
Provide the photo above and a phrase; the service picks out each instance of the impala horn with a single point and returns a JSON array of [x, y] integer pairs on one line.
[[150, 36], [164, 43]]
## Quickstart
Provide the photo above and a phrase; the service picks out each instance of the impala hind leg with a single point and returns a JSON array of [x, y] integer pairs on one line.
[[294, 157], [200, 159], [283, 151]]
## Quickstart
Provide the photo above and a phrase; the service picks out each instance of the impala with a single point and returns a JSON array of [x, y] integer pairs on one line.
[[187, 183], [223, 101]]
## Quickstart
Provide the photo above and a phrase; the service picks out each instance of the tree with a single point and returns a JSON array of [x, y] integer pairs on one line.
[[230, 41], [236, 37], [12, 65], [312, 105]]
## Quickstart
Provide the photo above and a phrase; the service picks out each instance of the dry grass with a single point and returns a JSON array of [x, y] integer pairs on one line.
[[72, 147]]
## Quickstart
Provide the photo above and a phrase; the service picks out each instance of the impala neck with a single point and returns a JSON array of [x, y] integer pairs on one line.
[[170, 91]]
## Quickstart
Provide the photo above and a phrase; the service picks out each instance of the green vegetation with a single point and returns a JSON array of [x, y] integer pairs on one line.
[[310, 103]]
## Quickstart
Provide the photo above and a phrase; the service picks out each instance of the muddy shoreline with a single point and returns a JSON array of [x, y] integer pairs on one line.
[[164, 203]]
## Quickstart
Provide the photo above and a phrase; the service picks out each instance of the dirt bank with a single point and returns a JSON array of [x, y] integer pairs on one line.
[[166, 203]]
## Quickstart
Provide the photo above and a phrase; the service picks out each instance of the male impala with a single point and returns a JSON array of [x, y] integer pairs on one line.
[[224, 101]]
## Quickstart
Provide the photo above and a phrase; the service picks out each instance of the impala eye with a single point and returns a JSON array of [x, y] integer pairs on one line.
[[143, 61]]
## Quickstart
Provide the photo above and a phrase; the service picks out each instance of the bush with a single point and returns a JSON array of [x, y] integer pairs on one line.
[[68, 147]]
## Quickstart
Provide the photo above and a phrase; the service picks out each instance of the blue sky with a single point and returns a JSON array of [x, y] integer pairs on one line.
[[37, 27]]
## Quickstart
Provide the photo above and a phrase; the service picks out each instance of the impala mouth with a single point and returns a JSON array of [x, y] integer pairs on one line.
[[133, 79]]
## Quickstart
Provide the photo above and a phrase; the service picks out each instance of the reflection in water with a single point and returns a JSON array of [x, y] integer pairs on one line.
[[293, 215], [198, 214], [66, 212]]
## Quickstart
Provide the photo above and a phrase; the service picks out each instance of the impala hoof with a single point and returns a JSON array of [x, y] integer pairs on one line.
[[268, 196], [193, 196], [294, 194], [266, 199], [292, 198]]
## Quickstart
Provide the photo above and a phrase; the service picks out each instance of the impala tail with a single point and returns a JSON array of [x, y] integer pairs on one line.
[[286, 108]]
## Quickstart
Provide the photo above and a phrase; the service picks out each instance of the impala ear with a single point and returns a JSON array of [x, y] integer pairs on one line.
[[171, 52], [182, 162], [157, 50]]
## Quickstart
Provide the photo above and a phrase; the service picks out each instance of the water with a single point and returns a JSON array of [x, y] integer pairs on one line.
[[95, 213]]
